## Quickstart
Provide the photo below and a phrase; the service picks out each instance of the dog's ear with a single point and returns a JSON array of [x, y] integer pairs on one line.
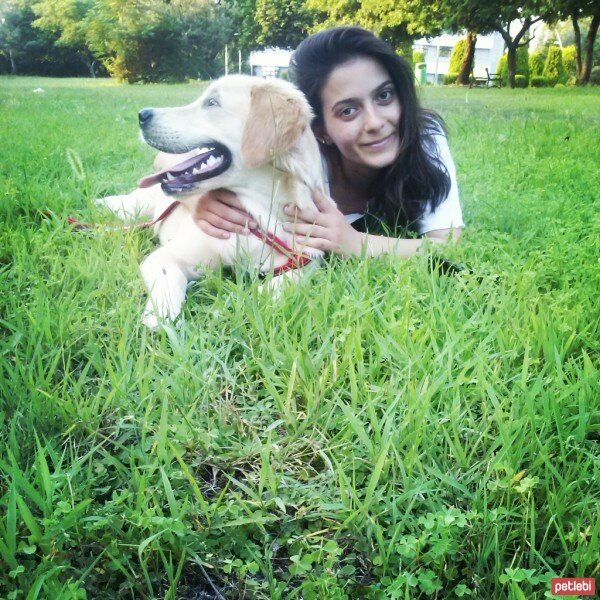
[[277, 118]]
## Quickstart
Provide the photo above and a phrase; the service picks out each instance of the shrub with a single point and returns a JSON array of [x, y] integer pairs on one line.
[[502, 67], [540, 81], [569, 56], [457, 56], [418, 56], [450, 78], [523, 63], [520, 81], [554, 69], [595, 76], [536, 63]]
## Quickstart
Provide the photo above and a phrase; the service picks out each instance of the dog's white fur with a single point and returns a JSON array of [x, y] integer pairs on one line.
[[265, 124]]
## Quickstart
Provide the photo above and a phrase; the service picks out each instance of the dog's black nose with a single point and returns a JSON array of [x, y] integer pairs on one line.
[[145, 115]]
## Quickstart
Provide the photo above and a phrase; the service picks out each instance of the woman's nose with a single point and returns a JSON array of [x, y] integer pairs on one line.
[[373, 120]]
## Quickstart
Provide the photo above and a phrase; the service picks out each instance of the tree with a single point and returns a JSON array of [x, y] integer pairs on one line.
[[522, 66], [466, 66], [26, 49], [483, 18], [576, 10], [67, 19], [527, 13], [15, 25], [241, 14], [390, 19], [282, 23]]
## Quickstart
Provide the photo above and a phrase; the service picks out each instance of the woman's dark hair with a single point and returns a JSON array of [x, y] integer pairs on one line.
[[416, 179]]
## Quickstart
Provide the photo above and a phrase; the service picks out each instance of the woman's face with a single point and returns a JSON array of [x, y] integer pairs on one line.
[[361, 112]]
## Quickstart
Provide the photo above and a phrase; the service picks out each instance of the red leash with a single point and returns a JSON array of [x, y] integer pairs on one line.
[[296, 260], [79, 225]]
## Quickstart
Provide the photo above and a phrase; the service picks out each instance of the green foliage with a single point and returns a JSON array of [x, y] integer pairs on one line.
[[540, 81], [283, 23], [595, 75], [418, 56], [521, 81], [502, 67], [450, 78], [553, 68], [158, 41], [569, 58], [380, 431], [26, 50], [457, 56], [537, 60], [395, 22], [523, 63]]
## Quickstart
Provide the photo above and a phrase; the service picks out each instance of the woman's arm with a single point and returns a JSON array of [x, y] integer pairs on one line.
[[326, 228]]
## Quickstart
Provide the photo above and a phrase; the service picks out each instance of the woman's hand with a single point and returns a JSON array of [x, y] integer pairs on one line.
[[219, 213], [324, 228]]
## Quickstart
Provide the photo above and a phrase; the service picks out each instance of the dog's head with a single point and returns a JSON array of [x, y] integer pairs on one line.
[[240, 123]]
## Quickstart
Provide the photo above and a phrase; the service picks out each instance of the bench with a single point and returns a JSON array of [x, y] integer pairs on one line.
[[490, 80]]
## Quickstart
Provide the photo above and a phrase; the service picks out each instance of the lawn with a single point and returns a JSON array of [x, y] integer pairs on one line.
[[382, 431]]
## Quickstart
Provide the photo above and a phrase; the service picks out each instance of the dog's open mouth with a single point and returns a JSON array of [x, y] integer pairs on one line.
[[212, 160]]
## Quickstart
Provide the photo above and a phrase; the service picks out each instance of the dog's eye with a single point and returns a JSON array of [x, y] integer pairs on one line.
[[211, 102]]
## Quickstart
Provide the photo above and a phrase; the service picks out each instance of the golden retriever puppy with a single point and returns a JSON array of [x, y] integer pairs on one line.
[[249, 135]]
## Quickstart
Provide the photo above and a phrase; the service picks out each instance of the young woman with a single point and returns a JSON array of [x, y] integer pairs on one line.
[[386, 159]]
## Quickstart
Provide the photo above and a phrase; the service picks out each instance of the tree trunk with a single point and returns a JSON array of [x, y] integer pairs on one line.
[[577, 32], [511, 63], [467, 63], [513, 43], [13, 62], [588, 50]]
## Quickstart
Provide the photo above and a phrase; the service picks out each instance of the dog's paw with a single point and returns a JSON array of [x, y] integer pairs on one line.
[[150, 320], [154, 322]]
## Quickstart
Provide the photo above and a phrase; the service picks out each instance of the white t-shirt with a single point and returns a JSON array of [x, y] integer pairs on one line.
[[448, 214]]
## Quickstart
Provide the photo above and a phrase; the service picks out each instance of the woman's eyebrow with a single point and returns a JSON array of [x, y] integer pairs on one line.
[[373, 93]]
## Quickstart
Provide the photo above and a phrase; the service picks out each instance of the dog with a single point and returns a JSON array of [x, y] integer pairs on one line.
[[246, 134]]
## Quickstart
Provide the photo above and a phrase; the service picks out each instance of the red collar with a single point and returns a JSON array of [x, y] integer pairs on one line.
[[295, 260]]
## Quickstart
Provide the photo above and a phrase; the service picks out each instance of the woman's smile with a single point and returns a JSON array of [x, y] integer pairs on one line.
[[381, 143]]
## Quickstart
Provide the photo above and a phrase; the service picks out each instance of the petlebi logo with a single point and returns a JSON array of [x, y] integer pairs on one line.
[[573, 586]]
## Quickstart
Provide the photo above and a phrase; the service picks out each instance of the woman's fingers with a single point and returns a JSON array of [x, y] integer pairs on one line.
[[220, 213], [322, 201], [297, 215]]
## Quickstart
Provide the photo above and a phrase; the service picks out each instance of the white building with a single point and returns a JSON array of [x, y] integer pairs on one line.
[[488, 50], [272, 62]]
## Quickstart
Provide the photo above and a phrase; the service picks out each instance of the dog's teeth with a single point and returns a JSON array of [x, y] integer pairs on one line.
[[170, 177], [196, 171], [211, 161], [204, 167]]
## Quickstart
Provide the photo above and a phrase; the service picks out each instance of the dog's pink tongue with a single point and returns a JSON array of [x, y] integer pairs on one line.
[[153, 179]]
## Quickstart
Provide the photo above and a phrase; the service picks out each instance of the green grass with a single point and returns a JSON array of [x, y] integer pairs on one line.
[[380, 432]]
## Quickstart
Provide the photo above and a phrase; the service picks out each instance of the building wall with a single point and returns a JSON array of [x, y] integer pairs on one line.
[[272, 62], [488, 50]]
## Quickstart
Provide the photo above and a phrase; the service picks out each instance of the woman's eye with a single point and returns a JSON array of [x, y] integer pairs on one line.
[[347, 112], [211, 102], [386, 95]]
